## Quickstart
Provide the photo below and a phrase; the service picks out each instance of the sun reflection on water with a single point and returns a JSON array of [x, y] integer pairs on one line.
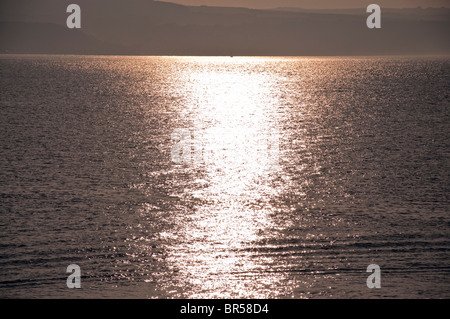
[[233, 118]]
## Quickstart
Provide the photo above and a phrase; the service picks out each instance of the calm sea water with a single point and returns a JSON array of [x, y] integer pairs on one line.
[[87, 177]]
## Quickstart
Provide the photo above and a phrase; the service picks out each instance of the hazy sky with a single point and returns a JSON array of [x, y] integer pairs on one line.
[[316, 4]]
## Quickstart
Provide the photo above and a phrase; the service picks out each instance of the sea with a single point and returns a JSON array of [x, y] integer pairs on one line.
[[167, 177]]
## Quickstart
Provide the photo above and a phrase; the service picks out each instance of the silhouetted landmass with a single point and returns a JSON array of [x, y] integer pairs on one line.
[[159, 28], [315, 4], [27, 38], [435, 14]]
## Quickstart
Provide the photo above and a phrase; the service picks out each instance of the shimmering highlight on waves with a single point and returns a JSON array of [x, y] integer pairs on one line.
[[86, 177]]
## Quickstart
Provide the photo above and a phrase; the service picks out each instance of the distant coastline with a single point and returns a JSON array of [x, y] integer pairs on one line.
[[160, 28]]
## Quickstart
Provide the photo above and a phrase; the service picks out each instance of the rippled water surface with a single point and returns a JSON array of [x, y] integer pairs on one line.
[[355, 171]]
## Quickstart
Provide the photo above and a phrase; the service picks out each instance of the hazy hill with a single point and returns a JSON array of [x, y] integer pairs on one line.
[[316, 4], [151, 27], [435, 14], [26, 37]]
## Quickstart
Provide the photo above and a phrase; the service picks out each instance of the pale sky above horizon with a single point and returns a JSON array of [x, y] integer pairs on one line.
[[316, 4]]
